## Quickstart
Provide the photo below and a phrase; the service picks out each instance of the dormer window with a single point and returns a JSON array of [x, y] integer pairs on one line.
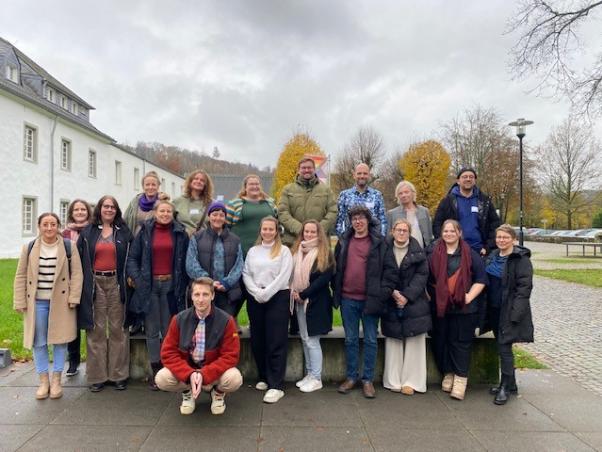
[[63, 102], [12, 73], [73, 108], [50, 94]]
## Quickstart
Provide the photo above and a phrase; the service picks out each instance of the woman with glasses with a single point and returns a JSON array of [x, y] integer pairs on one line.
[[103, 246], [408, 315]]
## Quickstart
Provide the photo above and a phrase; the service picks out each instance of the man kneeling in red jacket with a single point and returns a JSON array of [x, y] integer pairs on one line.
[[201, 351]]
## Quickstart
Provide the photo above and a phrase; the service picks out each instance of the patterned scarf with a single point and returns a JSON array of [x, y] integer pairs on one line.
[[303, 261]]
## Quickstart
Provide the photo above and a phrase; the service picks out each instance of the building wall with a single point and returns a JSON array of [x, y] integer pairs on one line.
[[33, 179]]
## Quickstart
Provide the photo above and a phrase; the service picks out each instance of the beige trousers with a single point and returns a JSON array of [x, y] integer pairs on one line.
[[405, 363], [229, 381], [108, 343]]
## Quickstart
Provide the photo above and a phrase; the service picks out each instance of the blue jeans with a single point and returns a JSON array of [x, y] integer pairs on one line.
[[352, 313], [40, 342], [311, 346]]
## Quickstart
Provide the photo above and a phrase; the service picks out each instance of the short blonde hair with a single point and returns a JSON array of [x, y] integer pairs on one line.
[[507, 229], [405, 183], [402, 221]]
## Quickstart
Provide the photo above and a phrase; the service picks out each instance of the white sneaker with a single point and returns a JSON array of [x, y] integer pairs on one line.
[[273, 395], [311, 385], [218, 404], [261, 386], [188, 404], [303, 381]]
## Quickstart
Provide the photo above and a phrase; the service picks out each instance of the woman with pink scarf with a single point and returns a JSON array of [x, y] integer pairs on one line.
[[311, 297], [78, 217]]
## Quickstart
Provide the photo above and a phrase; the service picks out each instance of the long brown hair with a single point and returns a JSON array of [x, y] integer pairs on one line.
[[207, 194], [324, 259], [72, 206], [277, 240]]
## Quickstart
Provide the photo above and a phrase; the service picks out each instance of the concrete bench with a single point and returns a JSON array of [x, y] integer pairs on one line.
[[484, 366], [583, 245]]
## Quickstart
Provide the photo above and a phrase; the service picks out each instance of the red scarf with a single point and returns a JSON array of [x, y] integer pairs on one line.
[[438, 267]]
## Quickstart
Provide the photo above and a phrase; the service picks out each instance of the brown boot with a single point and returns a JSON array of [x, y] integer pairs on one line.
[[56, 391], [447, 383], [42, 392], [459, 388]]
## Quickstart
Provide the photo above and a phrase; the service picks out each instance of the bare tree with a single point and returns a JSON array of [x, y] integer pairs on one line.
[[366, 146], [570, 168], [549, 38], [388, 177]]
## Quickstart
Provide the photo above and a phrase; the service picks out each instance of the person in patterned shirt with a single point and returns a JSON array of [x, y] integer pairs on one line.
[[364, 195]]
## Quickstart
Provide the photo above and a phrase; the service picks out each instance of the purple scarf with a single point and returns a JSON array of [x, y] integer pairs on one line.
[[145, 204]]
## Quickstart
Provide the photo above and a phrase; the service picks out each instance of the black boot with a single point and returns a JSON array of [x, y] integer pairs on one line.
[[503, 391], [73, 367], [510, 387], [156, 367]]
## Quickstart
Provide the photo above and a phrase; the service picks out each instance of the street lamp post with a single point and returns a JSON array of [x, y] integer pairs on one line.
[[521, 125]]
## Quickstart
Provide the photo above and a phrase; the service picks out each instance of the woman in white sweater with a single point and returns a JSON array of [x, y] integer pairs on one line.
[[266, 275]]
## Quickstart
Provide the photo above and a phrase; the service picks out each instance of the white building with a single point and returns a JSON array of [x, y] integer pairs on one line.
[[50, 153]]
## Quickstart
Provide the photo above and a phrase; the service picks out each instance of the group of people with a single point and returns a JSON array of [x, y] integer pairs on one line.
[[181, 271]]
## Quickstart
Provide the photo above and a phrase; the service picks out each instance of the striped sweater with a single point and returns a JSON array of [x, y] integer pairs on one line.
[[46, 269], [234, 209]]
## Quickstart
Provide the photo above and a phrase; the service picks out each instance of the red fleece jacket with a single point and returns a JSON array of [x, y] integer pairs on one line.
[[217, 361]]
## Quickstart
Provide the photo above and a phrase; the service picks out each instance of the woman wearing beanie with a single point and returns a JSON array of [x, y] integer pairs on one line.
[[313, 268], [215, 252]]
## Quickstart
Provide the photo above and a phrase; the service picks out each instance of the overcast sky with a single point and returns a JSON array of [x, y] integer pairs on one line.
[[245, 75]]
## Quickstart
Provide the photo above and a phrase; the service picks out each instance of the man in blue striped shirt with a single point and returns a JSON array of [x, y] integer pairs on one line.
[[364, 195]]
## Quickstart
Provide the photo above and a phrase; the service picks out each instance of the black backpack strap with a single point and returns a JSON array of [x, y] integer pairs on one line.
[[67, 244]]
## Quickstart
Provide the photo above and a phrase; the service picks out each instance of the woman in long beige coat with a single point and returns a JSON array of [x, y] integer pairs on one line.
[[47, 288]]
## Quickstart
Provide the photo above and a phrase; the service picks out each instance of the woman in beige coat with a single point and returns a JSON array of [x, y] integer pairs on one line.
[[47, 288]]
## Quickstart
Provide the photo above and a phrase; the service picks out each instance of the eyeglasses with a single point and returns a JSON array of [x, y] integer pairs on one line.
[[358, 219], [401, 230], [109, 207]]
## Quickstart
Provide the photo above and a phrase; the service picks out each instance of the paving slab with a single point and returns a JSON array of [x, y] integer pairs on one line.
[[84, 437], [19, 405], [594, 439], [314, 439], [14, 436], [214, 439], [385, 438], [531, 441]]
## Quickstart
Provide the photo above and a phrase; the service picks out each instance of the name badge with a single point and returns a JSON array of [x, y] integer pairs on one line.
[[474, 209], [370, 205], [194, 211]]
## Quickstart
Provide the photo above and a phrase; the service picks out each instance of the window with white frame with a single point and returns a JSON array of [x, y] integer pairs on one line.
[[64, 102], [30, 143], [91, 163], [163, 183], [117, 172], [65, 155], [12, 73], [73, 107], [50, 94], [28, 215], [63, 210], [173, 190], [136, 179]]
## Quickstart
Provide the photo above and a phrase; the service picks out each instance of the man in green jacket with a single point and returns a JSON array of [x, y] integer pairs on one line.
[[306, 199]]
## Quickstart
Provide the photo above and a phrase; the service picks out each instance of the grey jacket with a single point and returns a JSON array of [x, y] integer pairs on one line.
[[424, 221]]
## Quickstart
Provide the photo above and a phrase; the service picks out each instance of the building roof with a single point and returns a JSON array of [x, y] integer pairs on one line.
[[46, 76]]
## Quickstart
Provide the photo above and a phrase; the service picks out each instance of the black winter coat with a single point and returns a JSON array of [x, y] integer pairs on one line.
[[516, 324], [139, 267], [319, 309], [488, 217], [381, 270], [413, 274], [86, 245]]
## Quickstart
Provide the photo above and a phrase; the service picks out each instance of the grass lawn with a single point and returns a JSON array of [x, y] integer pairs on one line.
[[11, 323], [572, 260], [525, 360], [588, 276]]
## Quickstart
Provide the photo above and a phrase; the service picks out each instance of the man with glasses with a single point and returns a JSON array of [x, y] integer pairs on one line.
[[365, 278], [473, 209], [307, 198]]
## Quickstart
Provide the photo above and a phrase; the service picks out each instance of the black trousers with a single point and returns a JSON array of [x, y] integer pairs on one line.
[[269, 337], [221, 301], [452, 342], [504, 350], [73, 349]]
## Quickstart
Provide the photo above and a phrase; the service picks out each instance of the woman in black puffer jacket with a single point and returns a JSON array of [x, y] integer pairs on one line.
[[408, 315]]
